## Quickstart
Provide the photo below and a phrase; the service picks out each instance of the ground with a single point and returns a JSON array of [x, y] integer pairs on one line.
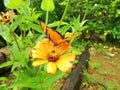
[[104, 69]]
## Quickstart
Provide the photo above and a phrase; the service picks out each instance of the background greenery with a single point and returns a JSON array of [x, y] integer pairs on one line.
[[103, 16], [96, 21]]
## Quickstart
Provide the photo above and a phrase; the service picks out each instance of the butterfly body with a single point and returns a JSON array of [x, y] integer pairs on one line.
[[56, 37]]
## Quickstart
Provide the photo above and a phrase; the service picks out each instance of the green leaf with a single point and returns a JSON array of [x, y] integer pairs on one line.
[[16, 65], [25, 26], [20, 58], [56, 23], [19, 5], [3, 79], [7, 3], [13, 4], [25, 9], [36, 27], [22, 55], [83, 22], [47, 5], [5, 33], [5, 64], [63, 29], [28, 2], [35, 15], [76, 23], [15, 24], [42, 81], [78, 26], [4, 87]]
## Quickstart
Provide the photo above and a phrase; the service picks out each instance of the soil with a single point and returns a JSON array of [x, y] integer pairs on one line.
[[104, 69]]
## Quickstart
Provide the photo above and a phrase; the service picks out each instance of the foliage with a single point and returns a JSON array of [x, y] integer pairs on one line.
[[103, 17], [69, 18], [23, 32]]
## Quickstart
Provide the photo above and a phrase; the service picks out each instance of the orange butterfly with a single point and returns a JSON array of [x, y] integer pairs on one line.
[[56, 37]]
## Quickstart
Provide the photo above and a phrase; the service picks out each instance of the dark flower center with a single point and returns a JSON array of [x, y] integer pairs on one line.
[[52, 57]]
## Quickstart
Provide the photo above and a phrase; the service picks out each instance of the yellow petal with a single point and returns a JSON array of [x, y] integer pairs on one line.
[[39, 54], [63, 68], [39, 62], [51, 68], [68, 57], [42, 49], [65, 62], [45, 45]]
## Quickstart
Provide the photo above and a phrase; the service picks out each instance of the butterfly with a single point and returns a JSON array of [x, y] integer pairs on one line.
[[55, 36]]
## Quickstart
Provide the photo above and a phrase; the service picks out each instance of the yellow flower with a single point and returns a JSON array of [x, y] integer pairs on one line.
[[47, 52]]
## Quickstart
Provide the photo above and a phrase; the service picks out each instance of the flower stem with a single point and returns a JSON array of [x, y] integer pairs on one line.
[[66, 8], [47, 14]]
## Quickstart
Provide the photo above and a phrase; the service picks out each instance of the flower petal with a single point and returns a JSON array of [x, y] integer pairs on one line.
[[51, 68], [63, 68], [68, 57], [39, 62], [42, 49], [45, 45], [65, 62], [38, 54]]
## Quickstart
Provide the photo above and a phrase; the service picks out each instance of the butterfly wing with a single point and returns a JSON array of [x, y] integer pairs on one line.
[[54, 36]]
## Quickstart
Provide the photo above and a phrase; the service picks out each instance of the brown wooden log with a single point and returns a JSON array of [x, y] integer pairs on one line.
[[74, 80], [4, 53], [2, 60]]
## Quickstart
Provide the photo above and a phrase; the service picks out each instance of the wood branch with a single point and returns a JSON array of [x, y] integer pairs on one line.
[[74, 80]]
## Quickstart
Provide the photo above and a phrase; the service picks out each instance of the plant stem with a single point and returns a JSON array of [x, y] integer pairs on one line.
[[66, 8], [84, 16], [36, 72], [16, 40], [47, 14]]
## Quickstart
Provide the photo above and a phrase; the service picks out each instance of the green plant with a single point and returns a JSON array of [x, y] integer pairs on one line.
[[26, 25], [21, 35], [103, 17], [94, 65]]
